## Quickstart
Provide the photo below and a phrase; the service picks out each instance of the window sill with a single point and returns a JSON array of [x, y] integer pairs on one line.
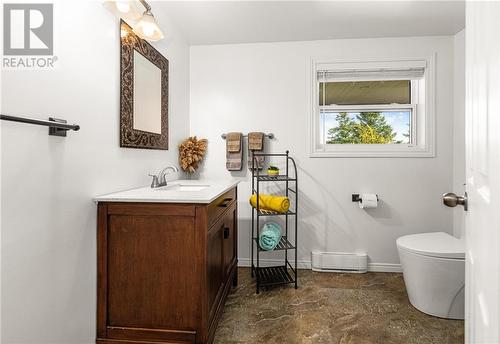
[[414, 152]]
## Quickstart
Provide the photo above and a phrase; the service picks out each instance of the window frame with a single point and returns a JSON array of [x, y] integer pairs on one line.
[[422, 132]]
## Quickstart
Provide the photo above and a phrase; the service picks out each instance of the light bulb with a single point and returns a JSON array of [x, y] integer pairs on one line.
[[147, 28], [125, 10], [123, 6]]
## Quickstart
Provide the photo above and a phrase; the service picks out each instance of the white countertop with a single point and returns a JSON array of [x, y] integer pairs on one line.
[[177, 191]]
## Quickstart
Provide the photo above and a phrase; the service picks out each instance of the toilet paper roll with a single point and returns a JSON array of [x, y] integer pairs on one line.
[[367, 201]]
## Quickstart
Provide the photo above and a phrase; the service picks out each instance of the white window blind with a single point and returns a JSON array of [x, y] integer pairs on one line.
[[370, 74]]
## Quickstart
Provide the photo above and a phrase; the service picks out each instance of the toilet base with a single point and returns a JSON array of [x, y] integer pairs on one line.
[[435, 286]]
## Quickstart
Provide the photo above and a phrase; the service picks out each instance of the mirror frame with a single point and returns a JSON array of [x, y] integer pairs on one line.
[[130, 137]]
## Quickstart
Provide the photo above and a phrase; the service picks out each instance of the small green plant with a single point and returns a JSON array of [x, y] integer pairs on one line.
[[273, 170]]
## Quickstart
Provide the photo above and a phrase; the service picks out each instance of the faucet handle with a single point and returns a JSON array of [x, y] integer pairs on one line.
[[154, 182]]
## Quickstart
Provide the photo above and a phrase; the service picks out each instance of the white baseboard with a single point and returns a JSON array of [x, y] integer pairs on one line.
[[306, 264], [384, 267]]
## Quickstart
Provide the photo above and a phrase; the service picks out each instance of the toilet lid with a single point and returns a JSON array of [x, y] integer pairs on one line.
[[439, 244]]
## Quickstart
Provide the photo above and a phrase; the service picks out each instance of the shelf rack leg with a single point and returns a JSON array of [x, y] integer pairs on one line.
[[252, 237], [257, 213], [296, 221], [286, 216]]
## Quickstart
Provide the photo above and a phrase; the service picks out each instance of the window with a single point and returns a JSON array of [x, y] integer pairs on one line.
[[373, 109]]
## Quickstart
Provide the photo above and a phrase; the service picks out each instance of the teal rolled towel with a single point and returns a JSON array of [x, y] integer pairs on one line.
[[270, 236]]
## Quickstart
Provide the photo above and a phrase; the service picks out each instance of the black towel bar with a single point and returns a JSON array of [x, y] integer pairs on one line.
[[269, 136], [57, 127]]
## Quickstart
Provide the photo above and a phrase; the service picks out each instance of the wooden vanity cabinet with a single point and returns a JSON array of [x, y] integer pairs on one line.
[[164, 270]]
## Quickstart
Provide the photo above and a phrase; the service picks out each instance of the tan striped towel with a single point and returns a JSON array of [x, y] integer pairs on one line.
[[234, 151], [256, 144]]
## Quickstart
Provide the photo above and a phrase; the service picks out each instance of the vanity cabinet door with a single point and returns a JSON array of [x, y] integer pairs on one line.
[[146, 257], [215, 271], [229, 239]]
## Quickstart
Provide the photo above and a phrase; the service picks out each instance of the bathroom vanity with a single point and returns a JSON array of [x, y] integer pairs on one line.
[[166, 260]]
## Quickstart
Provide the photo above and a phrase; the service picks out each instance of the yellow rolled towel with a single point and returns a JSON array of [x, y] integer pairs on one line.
[[280, 204]]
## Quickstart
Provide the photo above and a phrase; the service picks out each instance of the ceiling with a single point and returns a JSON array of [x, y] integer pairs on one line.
[[225, 22]]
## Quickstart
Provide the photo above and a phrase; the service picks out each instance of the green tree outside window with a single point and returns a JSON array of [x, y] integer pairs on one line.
[[366, 128]]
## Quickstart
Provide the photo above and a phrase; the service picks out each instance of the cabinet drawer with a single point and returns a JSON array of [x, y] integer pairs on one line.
[[217, 207]]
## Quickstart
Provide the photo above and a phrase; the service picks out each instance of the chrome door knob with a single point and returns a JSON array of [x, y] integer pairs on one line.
[[452, 200]]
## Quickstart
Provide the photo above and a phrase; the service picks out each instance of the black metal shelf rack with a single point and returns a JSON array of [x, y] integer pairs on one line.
[[285, 273]]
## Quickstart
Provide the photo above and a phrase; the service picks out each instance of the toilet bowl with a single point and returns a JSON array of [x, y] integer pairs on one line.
[[434, 273]]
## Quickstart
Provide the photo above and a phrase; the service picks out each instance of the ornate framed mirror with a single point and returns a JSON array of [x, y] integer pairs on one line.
[[143, 93]]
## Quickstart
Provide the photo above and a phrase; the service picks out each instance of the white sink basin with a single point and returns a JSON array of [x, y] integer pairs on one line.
[[177, 191], [183, 187], [192, 187]]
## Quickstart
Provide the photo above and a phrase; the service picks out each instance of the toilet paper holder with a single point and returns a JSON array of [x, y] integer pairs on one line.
[[355, 198]]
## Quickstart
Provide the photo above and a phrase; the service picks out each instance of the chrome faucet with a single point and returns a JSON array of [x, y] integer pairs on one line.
[[160, 180]]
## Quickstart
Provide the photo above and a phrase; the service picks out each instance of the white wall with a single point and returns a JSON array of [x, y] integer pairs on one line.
[[48, 219], [266, 87], [459, 129]]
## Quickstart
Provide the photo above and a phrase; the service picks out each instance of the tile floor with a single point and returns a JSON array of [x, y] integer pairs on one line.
[[331, 308]]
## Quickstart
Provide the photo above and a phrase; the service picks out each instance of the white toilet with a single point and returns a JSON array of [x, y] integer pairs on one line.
[[434, 273]]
